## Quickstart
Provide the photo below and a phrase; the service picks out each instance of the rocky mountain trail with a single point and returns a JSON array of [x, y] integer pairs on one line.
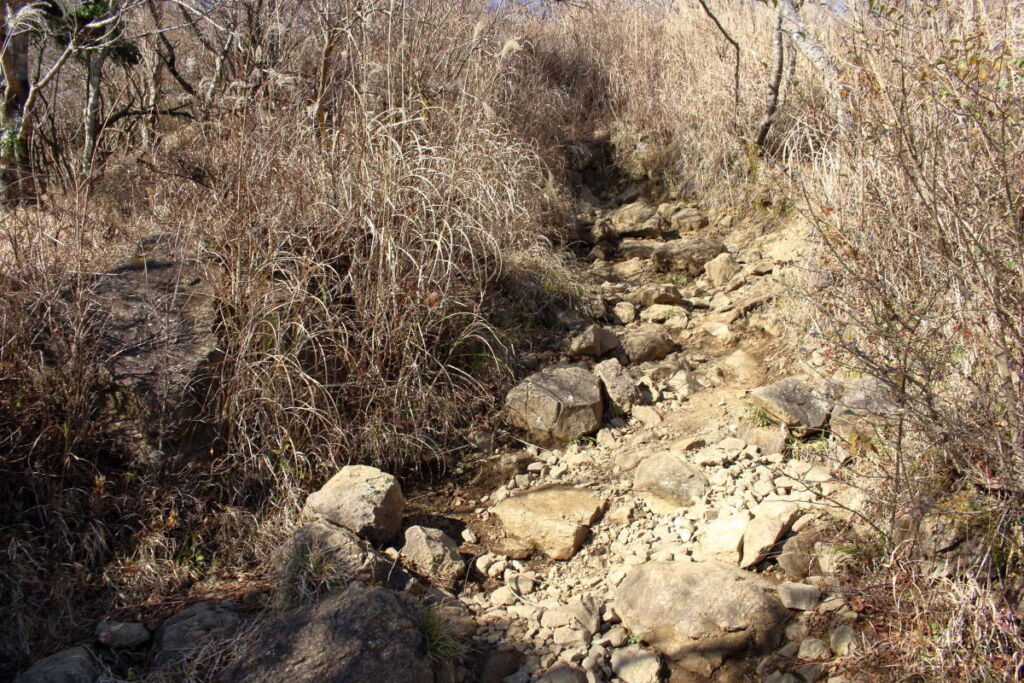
[[654, 520]]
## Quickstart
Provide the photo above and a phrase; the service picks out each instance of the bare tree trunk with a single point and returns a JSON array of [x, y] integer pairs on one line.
[[774, 85], [91, 114], [14, 63], [813, 50]]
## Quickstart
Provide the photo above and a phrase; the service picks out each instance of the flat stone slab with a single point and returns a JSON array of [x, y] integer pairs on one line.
[[554, 520]]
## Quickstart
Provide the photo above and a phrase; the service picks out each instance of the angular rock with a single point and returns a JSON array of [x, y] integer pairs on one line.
[[793, 403], [799, 596], [564, 673], [190, 629], [363, 500], [648, 342], [631, 220], [361, 634], [841, 640], [723, 538], [594, 342], [759, 538], [659, 313], [634, 248], [814, 649], [687, 255], [634, 664], [650, 295], [798, 557], [434, 555], [865, 407], [74, 665], [554, 520], [118, 634], [620, 387], [671, 478], [721, 269], [708, 609], [683, 218], [556, 406], [624, 313]]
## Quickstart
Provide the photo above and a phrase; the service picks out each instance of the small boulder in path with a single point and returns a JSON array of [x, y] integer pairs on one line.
[[647, 342], [687, 255], [670, 477], [361, 634], [363, 500], [554, 519], [74, 665], [721, 269], [434, 554], [634, 664], [557, 405], [709, 610], [658, 294], [620, 387], [594, 342], [792, 402]]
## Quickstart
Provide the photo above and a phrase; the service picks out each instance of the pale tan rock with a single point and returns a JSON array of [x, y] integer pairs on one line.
[[555, 520]]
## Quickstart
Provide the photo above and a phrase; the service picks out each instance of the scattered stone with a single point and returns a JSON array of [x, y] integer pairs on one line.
[[360, 634], [557, 405], [624, 313], [687, 255], [670, 477], [349, 557], [793, 403], [620, 387], [759, 538], [594, 342], [814, 649], [799, 595], [74, 665], [841, 640], [723, 538], [434, 555], [648, 342], [721, 269], [121, 635], [659, 313], [634, 664], [564, 673], [647, 416], [710, 609], [554, 519], [798, 557], [468, 536], [363, 500], [652, 295], [864, 408], [190, 629]]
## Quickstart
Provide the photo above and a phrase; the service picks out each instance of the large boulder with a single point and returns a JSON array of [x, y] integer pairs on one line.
[[556, 406], [647, 342], [363, 500], [74, 665], [687, 255], [618, 384], [700, 610], [433, 554], [670, 477], [361, 635], [793, 403], [190, 629], [149, 327], [554, 519]]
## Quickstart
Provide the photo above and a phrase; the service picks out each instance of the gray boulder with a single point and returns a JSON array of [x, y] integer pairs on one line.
[[670, 477], [361, 635], [618, 384], [647, 342], [687, 255], [363, 500], [74, 665], [433, 554], [793, 403], [594, 342], [117, 634], [190, 629], [557, 405], [704, 610]]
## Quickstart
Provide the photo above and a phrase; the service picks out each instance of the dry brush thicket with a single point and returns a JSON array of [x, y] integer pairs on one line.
[[375, 186]]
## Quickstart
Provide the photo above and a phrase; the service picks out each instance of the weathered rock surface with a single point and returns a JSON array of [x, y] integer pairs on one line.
[[620, 387], [362, 635], [118, 634], [648, 342], [432, 553], [634, 220], [793, 403], [363, 500], [687, 255], [74, 665], [703, 609], [557, 405], [594, 342], [190, 629], [863, 409], [657, 294], [349, 557], [798, 557], [634, 664], [670, 477], [721, 269], [564, 673], [554, 519]]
